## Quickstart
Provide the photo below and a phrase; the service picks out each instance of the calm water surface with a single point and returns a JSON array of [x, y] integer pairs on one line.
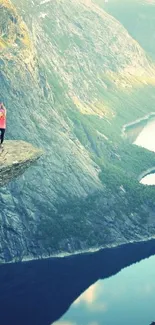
[[146, 139], [100, 288], [127, 298]]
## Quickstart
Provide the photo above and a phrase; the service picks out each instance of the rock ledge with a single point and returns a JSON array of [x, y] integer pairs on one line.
[[15, 158]]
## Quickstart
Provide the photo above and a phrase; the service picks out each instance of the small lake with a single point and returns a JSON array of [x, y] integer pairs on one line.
[[142, 133], [146, 139], [112, 286]]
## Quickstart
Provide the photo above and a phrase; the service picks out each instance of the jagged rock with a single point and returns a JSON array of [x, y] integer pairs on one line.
[[15, 158]]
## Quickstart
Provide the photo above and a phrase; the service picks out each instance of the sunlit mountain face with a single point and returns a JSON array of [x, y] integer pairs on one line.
[[72, 74]]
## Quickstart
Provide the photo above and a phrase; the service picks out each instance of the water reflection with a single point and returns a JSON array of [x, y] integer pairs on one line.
[[89, 296], [127, 298], [40, 292]]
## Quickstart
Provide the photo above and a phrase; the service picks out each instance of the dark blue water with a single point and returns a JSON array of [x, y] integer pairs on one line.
[[42, 292], [127, 298]]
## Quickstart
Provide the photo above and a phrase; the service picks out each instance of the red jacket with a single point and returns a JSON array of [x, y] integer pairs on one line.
[[2, 118]]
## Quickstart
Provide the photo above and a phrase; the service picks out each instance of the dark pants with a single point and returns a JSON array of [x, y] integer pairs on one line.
[[2, 135]]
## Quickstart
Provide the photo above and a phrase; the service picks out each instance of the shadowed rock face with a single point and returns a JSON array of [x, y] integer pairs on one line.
[[16, 157]]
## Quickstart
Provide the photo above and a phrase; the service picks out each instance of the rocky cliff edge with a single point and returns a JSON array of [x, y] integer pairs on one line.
[[15, 158]]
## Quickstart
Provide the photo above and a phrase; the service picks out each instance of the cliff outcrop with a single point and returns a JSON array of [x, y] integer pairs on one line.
[[15, 158]]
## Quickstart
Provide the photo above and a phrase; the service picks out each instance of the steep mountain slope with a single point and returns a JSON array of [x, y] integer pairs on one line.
[[138, 17], [69, 87]]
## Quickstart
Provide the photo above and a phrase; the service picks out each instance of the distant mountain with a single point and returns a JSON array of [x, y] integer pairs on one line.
[[71, 76], [137, 16]]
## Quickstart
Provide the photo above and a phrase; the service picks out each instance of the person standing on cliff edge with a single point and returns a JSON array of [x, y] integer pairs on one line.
[[2, 123]]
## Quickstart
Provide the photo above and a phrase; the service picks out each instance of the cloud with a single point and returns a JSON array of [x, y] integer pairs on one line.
[[89, 296], [92, 299], [99, 306], [70, 323]]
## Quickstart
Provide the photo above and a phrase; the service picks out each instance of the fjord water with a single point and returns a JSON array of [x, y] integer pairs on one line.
[[127, 298], [146, 139], [40, 292]]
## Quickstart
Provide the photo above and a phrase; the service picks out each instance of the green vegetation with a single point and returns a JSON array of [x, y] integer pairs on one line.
[[137, 194]]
